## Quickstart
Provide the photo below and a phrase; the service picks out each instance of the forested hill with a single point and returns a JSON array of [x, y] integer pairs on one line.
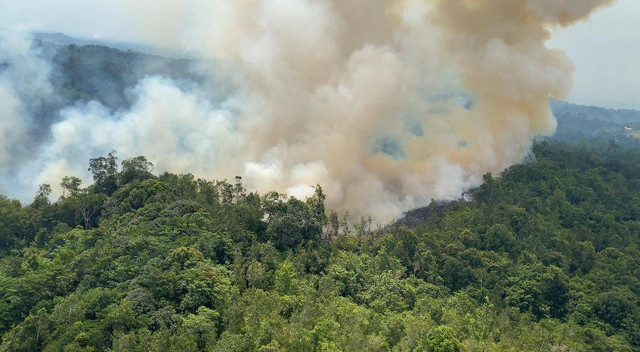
[[577, 122], [544, 258], [95, 72]]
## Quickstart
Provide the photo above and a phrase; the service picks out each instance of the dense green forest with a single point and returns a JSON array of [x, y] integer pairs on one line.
[[544, 257]]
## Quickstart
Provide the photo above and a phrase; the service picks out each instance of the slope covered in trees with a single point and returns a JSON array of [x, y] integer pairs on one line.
[[543, 258], [95, 72]]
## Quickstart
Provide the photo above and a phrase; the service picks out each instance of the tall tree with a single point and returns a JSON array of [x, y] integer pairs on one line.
[[105, 173]]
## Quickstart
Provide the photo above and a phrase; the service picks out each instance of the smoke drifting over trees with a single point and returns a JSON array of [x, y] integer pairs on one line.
[[387, 104]]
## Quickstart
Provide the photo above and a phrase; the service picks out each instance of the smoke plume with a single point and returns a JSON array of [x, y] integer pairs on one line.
[[24, 85], [385, 103]]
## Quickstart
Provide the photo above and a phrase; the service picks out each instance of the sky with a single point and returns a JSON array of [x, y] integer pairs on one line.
[[605, 49], [606, 52]]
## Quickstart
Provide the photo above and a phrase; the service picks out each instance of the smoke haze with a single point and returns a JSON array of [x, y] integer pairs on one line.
[[386, 104], [24, 86]]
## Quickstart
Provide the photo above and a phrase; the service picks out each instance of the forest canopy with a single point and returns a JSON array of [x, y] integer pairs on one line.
[[544, 257]]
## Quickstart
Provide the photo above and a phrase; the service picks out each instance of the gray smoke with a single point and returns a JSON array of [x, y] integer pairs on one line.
[[24, 85]]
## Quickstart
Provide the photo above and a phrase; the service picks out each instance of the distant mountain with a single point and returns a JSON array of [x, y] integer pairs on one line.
[[84, 71], [577, 122], [64, 40], [596, 113]]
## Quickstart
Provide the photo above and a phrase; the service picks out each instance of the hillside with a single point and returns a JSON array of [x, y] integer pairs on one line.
[[544, 258], [97, 72], [577, 122]]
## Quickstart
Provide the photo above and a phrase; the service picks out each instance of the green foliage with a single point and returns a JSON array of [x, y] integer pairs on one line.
[[544, 257], [104, 170], [441, 339]]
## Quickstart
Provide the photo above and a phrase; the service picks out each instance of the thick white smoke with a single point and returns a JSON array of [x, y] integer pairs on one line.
[[24, 83], [385, 103], [177, 130]]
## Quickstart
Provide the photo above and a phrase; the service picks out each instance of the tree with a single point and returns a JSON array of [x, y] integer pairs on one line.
[[42, 196], [538, 289], [296, 225], [498, 238], [89, 205], [137, 168], [333, 225], [70, 186], [285, 278], [10, 221], [105, 173], [441, 339], [316, 205], [202, 327], [614, 307], [238, 190]]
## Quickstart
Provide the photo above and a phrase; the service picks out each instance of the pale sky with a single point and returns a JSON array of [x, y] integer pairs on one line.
[[605, 49], [606, 52]]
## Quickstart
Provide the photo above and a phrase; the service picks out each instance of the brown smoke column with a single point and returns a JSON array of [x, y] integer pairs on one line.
[[325, 83]]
